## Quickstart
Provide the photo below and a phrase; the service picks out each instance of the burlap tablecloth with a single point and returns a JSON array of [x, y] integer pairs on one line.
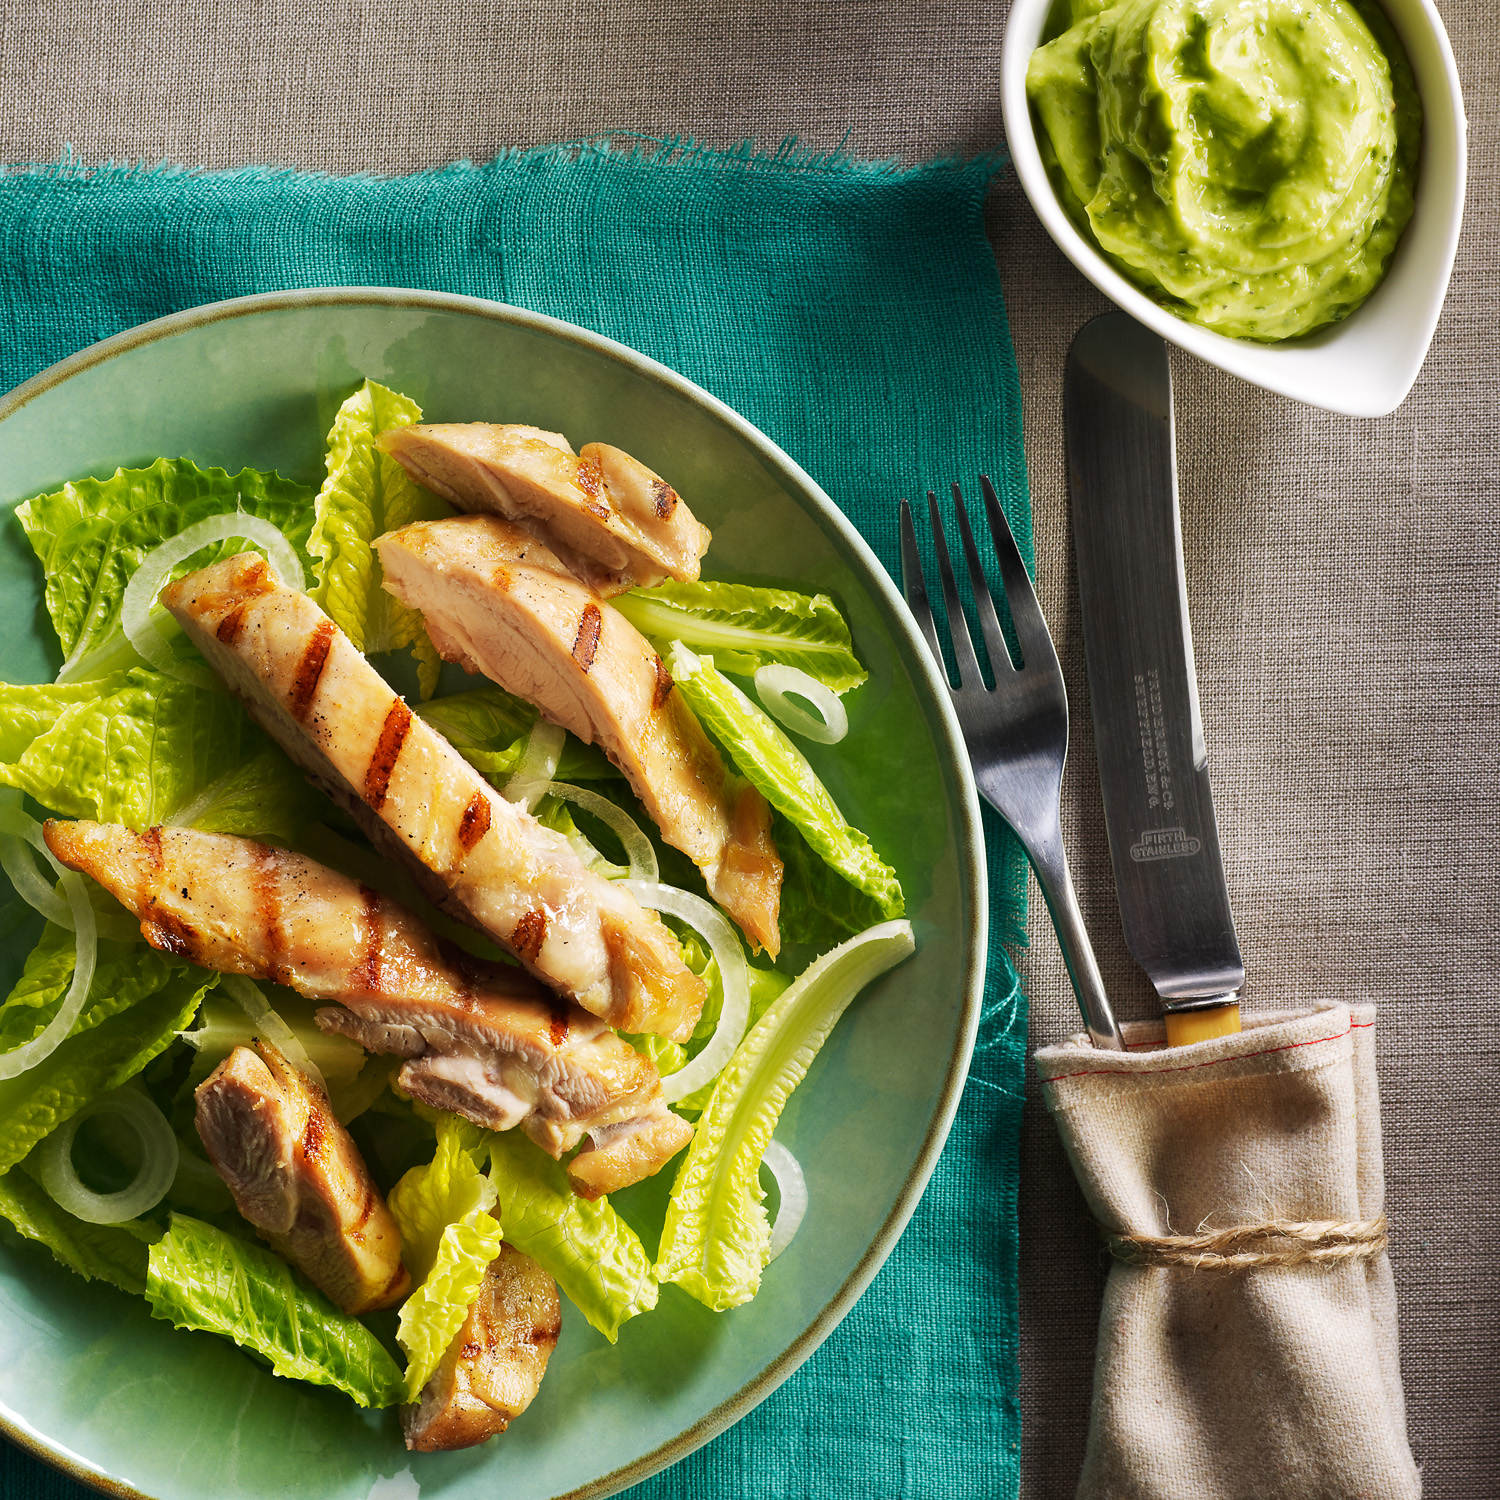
[[1343, 575]]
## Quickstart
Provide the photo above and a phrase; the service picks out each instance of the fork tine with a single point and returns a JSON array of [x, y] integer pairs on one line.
[[914, 586], [984, 604], [1025, 613], [958, 628]]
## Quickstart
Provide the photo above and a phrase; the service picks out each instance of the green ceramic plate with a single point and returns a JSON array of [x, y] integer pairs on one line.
[[87, 1379]]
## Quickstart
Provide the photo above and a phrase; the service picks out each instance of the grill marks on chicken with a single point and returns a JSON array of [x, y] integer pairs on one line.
[[299, 1179], [387, 751], [492, 1370], [586, 642], [482, 1040], [612, 521], [484, 859], [546, 637]]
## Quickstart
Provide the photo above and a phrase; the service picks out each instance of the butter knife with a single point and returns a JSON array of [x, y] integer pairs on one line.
[[1153, 762]]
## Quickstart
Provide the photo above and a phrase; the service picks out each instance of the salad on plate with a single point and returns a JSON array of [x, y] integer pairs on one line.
[[422, 865]]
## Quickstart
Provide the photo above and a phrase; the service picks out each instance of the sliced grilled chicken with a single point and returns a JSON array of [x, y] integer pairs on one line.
[[492, 1370], [501, 603], [612, 521], [486, 860], [482, 1040], [626, 1152], [299, 1179], [561, 1074]]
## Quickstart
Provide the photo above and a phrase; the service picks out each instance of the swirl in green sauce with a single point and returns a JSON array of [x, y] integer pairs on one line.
[[1249, 163]]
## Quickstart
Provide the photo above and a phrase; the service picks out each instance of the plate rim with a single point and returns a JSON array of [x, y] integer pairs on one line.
[[969, 836]]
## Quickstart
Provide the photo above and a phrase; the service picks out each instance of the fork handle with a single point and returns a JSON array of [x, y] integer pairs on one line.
[[1050, 862]]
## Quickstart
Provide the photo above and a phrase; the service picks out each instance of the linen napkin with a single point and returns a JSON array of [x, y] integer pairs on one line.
[[852, 311], [1239, 1366]]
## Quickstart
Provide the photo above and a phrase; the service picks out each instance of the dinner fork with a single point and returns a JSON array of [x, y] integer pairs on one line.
[[1017, 731]]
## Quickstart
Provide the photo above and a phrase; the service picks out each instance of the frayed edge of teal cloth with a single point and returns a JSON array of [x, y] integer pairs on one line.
[[613, 148]]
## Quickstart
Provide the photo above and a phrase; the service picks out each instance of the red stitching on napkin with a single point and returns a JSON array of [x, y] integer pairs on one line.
[[1212, 1062]]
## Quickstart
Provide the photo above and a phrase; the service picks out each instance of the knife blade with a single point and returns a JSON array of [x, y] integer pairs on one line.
[[1153, 761]]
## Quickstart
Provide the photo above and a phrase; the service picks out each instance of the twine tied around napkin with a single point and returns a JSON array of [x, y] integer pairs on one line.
[[1280, 1379], [1246, 1246]]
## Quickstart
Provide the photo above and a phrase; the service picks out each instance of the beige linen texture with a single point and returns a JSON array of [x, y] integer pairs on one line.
[[1213, 1384], [1342, 574]]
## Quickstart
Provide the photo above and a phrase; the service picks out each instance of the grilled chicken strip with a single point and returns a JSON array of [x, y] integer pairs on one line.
[[492, 1370], [299, 1179], [482, 1040], [498, 601], [485, 860], [612, 521]]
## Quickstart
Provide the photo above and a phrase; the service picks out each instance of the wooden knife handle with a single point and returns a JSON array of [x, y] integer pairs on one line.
[[1187, 1026]]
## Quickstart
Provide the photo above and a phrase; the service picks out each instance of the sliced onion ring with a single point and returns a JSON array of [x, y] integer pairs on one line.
[[733, 975], [774, 681], [17, 829], [544, 747], [792, 1185], [152, 1179], [86, 936], [22, 871], [271, 1027], [156, 567], [638, 851]]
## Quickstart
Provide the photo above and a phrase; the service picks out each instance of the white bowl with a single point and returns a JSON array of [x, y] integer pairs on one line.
[[1363, 366]]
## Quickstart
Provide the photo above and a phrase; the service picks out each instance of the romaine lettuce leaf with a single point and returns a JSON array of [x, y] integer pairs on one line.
[[447, 1241], [743, 628], [717, 1239], [138, 1001], [489, 726], [433, 1314], [264, 795], [138, 747], [116, 1253], [200, 1277], [667, 1055], [818, 906], [592, 1253], [91, 536], [449, 1188], [780, 772], [366, 494]]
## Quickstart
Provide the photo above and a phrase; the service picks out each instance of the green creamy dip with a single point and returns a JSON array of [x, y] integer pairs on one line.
[[1249, 163]]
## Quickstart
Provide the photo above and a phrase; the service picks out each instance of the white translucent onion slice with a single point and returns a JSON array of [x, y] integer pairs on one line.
[[638, 850], [86, 936], [725, 947], [152, 1179], [17, 830], [544, 747], [156, 567], [271, 1027], [24, 875], [792, 1185], [775, 681]]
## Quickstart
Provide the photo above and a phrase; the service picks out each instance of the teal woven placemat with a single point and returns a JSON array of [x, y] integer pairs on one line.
[[851, 311]]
